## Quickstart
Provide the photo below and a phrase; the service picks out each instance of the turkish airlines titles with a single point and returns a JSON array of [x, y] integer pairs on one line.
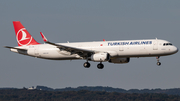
[[130, 43]]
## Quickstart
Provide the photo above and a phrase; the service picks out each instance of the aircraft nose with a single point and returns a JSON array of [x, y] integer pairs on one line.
[[175, 49]]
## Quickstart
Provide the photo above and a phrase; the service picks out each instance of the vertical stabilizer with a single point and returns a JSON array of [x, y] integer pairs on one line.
[[22, 35]]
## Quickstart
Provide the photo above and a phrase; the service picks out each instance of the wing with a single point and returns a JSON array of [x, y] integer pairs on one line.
[[73, 50]]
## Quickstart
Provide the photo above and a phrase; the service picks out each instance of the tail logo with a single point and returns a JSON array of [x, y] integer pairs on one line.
[[22, 37]]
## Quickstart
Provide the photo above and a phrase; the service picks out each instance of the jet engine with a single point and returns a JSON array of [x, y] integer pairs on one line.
[[119, 60], [100, 57]]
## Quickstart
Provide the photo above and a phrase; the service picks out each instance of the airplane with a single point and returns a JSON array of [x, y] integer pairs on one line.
[[117, 52]]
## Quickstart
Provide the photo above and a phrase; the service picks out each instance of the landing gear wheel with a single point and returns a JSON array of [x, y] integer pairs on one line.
[[86, 64], [158, 63], [100, 66]]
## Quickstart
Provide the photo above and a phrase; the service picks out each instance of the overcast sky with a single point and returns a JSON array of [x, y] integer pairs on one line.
[[90, 20]]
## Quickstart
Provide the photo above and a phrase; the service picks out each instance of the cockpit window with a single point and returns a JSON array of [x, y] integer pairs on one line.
[[167, 44]]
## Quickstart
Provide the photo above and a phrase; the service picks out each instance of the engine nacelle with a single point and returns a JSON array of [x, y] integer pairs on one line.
[[100, 57], [119, 60]]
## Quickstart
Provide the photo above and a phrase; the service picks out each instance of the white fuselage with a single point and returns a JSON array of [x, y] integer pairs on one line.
[[116, 49]]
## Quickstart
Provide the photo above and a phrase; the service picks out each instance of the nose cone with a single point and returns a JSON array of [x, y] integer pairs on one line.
[[174, 50]]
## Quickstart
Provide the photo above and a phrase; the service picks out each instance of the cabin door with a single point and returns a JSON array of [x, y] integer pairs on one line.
[[121, 48], [155, 45], [36, 52]]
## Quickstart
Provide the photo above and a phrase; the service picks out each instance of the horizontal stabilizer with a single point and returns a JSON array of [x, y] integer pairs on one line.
[[15, 48]]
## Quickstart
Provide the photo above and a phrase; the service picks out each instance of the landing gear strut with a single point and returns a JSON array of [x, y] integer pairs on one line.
[[158, 63], [100, 66], [87, 64]]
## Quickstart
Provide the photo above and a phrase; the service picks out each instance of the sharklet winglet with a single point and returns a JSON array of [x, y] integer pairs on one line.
[[44, 38]]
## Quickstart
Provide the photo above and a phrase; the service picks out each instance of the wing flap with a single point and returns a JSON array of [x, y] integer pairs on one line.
[[73, 50]]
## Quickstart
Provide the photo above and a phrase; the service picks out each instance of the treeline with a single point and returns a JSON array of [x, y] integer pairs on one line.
[[174, 91], [82, 95]]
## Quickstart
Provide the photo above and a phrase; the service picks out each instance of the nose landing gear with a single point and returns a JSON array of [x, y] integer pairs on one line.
[[158, 63]]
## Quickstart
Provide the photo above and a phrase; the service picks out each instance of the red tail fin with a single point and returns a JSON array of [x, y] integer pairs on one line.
[[22, 35]]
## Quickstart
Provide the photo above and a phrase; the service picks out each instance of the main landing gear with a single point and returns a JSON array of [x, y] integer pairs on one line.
[[87, 64], [99, 66], [158, 63]]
